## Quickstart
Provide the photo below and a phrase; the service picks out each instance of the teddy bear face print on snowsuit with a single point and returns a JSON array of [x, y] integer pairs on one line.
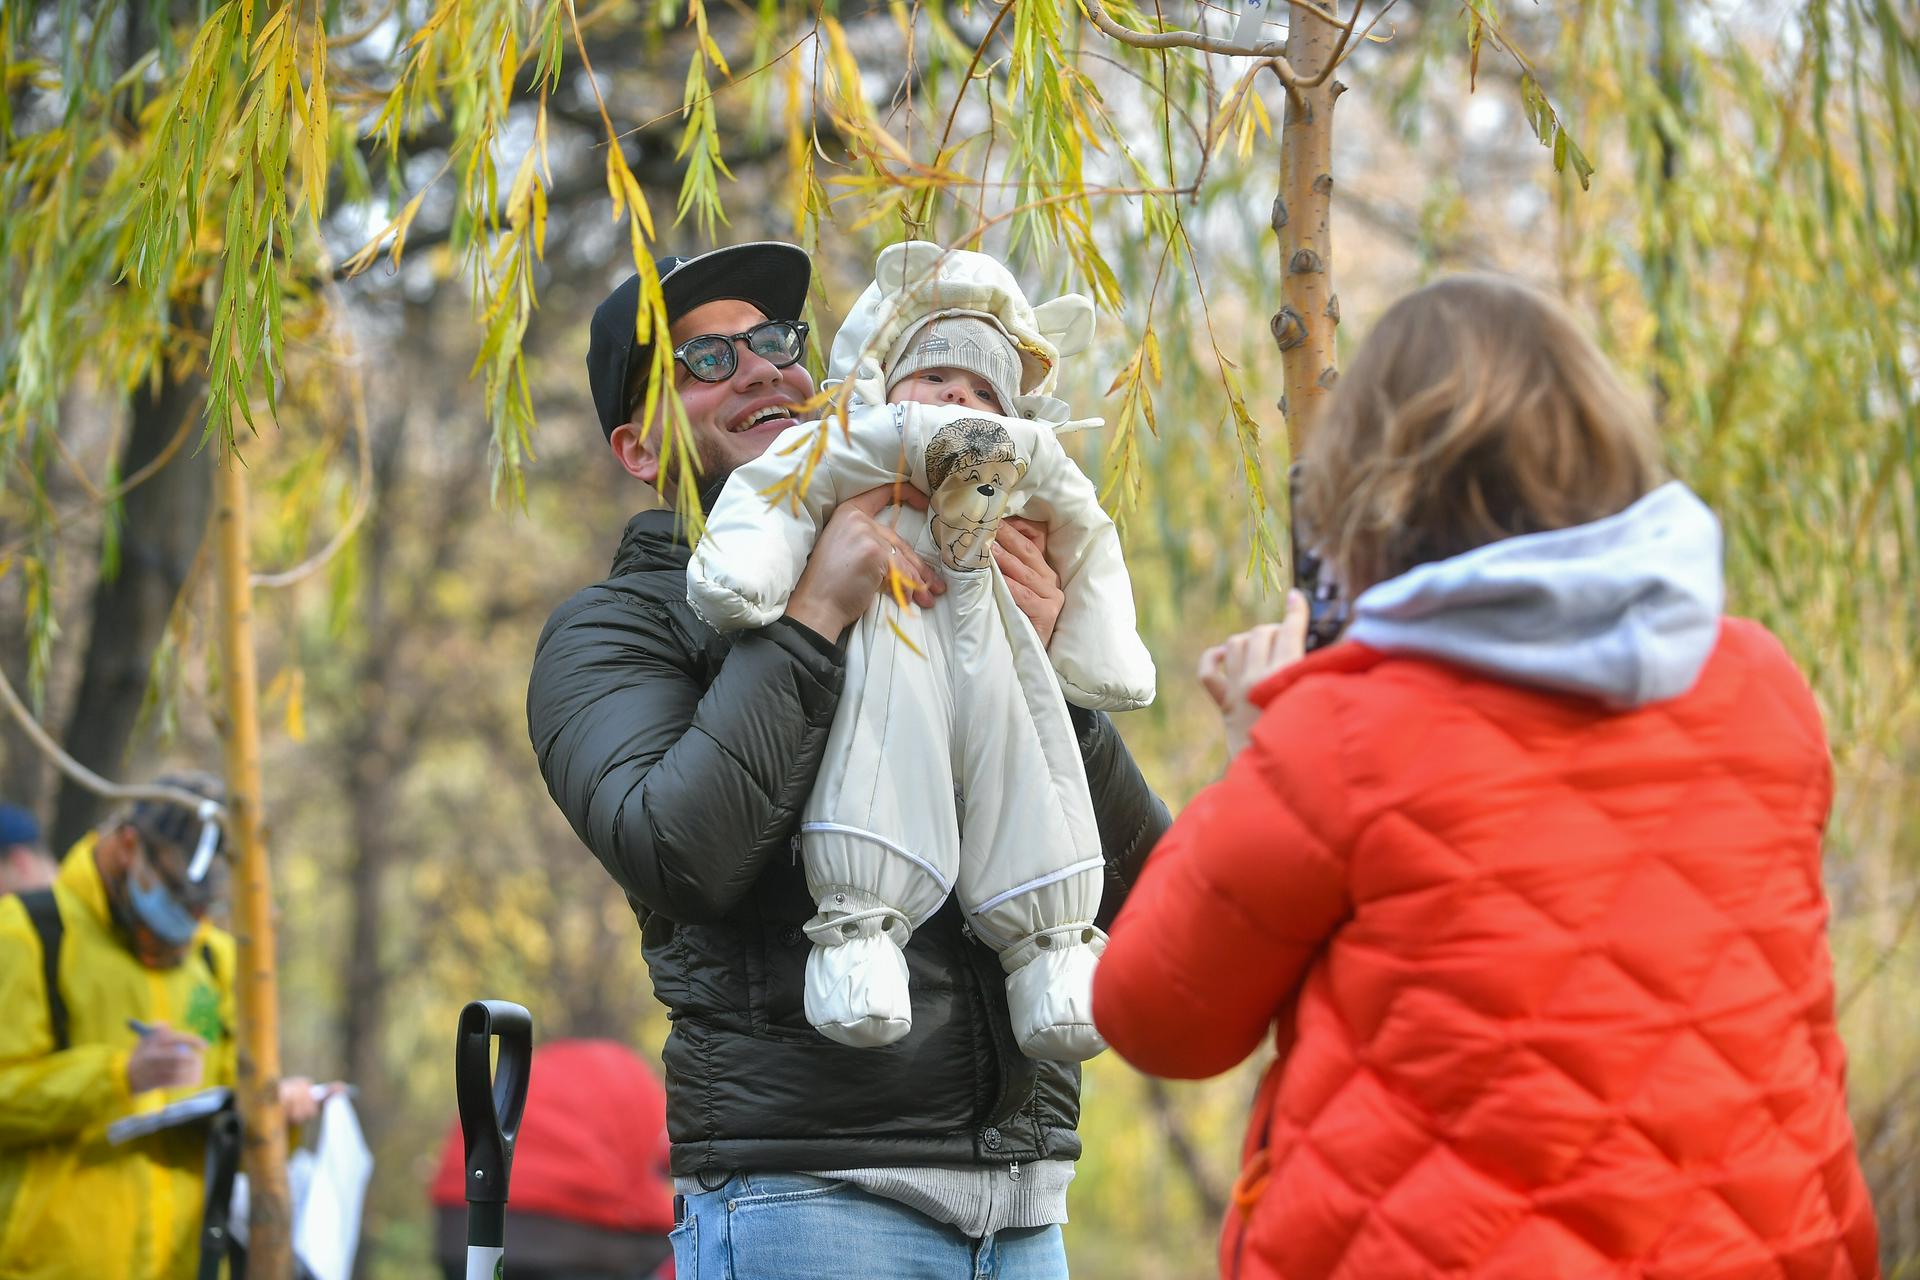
[[973, 469]]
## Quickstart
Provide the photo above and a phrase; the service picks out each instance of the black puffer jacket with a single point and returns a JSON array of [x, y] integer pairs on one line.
[[683, 757]]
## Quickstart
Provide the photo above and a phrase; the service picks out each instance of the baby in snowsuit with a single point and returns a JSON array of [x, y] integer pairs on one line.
[[952, 765]]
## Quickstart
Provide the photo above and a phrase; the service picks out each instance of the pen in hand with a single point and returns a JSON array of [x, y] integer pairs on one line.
[[178, 1041], [163, 1058]]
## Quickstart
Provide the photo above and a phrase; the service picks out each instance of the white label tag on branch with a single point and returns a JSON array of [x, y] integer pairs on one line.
[[1252, 28]]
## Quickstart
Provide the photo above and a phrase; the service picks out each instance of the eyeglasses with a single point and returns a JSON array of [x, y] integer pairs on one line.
[[712, 357]]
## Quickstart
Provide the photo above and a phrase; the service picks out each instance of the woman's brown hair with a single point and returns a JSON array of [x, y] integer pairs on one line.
[[1477, 409]]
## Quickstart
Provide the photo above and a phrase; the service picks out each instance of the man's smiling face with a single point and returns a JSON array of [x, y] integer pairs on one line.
[[732, 421]]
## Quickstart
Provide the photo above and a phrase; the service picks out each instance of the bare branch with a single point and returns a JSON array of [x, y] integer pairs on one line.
[[1206, 1189], [86, 777], [1266, 49], [363, 494], [1346, 37]]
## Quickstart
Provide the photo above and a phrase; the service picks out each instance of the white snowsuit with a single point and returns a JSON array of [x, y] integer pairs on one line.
[[952, 765]]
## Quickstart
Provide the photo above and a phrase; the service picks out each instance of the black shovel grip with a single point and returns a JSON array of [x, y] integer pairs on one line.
[[491, 1098]]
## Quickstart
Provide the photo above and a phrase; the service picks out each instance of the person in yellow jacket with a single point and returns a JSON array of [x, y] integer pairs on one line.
[[135, 953]]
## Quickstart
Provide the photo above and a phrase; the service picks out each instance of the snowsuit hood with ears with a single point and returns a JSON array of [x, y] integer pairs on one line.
[[917, 281]]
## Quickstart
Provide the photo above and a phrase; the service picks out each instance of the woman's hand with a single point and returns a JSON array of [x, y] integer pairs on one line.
[[1020, 549], [1232, 669]]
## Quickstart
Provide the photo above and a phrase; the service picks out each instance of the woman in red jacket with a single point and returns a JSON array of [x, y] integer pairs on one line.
[[1524, 873]]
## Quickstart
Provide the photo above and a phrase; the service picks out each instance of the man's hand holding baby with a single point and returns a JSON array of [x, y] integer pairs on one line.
[[1021, 552], [849, 563]]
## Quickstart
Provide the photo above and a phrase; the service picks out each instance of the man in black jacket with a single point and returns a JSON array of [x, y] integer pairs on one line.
[[683, 757]]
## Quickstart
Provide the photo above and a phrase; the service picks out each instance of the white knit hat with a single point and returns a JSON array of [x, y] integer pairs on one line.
[[963, 342]]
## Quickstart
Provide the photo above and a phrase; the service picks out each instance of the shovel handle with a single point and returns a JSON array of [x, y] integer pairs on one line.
[[492, 1096]]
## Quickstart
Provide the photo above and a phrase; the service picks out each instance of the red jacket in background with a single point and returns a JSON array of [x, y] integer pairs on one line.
[[1549, 982], [592, 1144]]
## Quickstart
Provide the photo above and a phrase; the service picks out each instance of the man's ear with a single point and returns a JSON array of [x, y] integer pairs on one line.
[[635, 451]]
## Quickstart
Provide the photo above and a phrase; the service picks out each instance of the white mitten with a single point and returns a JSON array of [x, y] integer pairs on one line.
[[1050, 992], [856, 974]]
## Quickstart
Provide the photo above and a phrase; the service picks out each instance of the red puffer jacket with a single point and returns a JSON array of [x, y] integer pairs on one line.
[[1549, 981]]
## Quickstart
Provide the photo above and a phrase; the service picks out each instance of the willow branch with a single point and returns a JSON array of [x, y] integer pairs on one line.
[[1346, 37], [1064, 197], [372, 25], [953, 113], [86, 777], [60, 519], [363, 496], [1223, 120], [1273, 49]]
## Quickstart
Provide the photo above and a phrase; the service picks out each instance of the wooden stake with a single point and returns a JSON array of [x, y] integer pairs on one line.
[[270, 1218]]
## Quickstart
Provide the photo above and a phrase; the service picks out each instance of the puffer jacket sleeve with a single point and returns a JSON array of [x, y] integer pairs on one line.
[[1237, 898], [45, 1095], [1130, 816], [682, 791], [1095, 648], [759, 536]]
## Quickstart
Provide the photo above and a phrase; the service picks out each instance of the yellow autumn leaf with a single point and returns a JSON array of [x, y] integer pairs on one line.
[[509, 64], [521, 193]]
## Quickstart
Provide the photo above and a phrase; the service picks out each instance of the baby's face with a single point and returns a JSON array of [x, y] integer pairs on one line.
[[944, 384]]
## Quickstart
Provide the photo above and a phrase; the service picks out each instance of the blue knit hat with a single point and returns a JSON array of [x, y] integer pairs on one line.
[[17, 827]]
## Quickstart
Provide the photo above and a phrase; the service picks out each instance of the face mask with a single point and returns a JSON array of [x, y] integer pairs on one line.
[[156, 909]]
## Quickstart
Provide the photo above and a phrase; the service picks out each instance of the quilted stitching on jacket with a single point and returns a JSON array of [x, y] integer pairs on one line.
[[1577, 1015]]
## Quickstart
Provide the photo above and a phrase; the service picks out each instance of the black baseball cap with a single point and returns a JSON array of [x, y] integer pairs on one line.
[[773, 276]]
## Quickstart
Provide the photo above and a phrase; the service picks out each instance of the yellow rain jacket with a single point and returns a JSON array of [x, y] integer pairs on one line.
[[72, 1207]]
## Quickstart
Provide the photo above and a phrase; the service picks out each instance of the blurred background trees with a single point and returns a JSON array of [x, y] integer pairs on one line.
[[1748, 245]]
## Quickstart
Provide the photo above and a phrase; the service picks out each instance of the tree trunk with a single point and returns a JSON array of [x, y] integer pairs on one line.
[[1213, 1201], [270, 1217], [1305, 324], [24, 770], [370, 770], [165, 519], [1664, 222]]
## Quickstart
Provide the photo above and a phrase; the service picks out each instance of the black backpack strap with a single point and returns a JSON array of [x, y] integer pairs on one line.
[[44, 911], [217, 1244]]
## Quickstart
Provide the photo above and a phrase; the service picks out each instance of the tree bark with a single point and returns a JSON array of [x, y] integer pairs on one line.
[[1663, 225], [370, 771], [270, 1216], [1213, 1201], [1305, 324], [165, 520], [24, 772]]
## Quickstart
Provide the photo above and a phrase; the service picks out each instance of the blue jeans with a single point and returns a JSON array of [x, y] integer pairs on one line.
[[791, 1226]]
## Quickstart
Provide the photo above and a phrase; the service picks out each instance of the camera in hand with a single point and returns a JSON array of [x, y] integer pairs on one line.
[[1326, 608]]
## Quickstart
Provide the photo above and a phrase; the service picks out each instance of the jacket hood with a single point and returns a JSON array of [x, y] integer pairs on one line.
[[79, 875], [917, 281], [1625, 609]]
